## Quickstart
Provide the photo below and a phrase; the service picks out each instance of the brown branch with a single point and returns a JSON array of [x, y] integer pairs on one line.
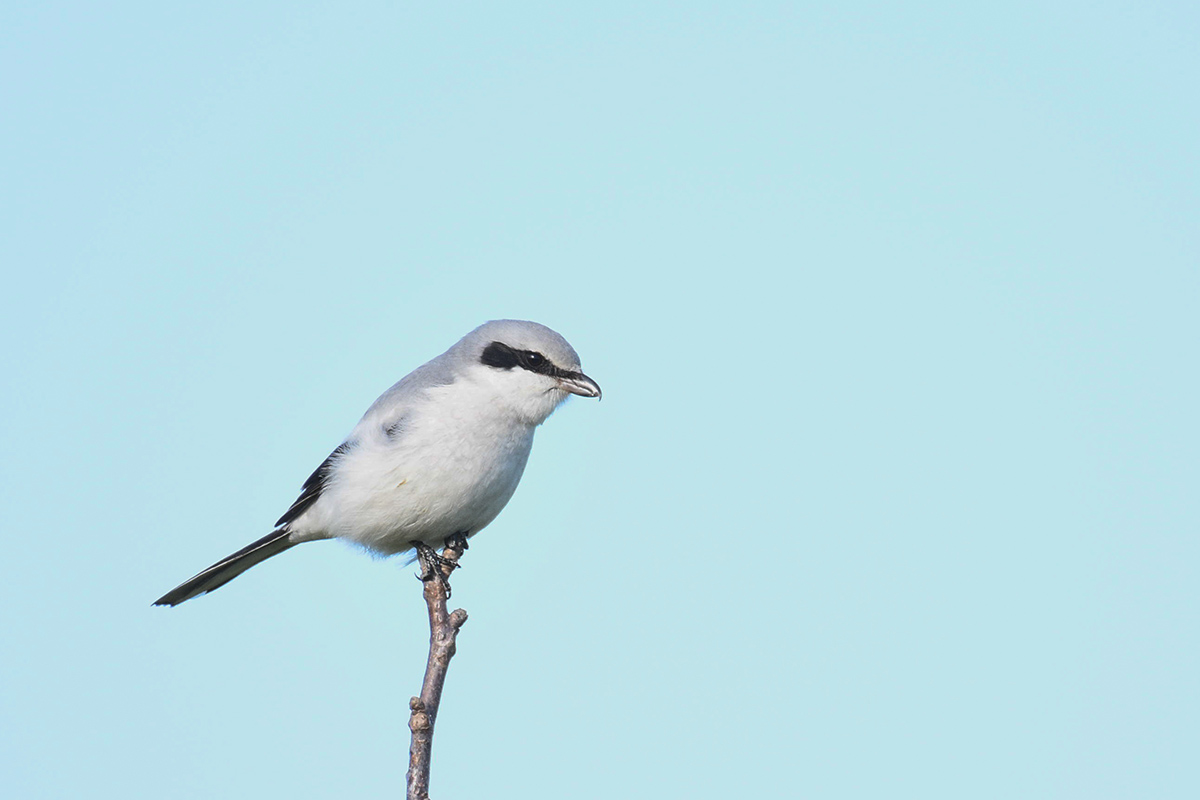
[[443, 630]]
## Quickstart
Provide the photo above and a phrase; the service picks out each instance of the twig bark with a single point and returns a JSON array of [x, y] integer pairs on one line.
[[443, 630]]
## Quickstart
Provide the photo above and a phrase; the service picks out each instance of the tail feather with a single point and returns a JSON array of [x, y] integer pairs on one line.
[[228, 568]]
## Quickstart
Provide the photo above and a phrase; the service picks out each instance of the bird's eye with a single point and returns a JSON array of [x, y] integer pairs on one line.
[[534, 359]]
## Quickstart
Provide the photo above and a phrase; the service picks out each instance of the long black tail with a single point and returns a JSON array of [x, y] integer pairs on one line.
[[228, 568]]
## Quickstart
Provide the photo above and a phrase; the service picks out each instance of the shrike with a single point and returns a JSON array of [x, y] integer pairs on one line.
[[435, 458]]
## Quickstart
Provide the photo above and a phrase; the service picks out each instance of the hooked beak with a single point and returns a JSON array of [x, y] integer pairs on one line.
[[578, 383]]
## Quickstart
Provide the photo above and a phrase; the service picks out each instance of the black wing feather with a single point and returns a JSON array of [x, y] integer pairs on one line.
[[313, 487]]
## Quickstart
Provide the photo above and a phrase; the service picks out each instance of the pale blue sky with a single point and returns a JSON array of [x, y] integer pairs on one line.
[[892, 492]]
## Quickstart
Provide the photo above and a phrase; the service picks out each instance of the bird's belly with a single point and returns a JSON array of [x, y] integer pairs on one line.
[[387, 499]]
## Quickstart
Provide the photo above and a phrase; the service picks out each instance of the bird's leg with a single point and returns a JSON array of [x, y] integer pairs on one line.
[[431, 566], [457, 541], [427, 559]]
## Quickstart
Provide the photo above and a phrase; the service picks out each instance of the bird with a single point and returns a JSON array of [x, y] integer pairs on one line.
[[433, 460]]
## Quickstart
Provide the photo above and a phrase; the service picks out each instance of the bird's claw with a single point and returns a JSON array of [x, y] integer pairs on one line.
[[431, 566]]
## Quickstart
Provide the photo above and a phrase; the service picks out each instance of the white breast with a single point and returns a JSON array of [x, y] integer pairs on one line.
[[450, 466]]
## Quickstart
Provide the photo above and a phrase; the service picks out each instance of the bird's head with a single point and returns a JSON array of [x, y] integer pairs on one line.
[[530, 368]]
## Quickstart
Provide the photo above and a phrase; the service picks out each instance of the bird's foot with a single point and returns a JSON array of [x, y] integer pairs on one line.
[[431, 566], [457, 541]]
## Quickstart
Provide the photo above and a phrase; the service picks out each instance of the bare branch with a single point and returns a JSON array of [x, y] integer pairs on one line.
[[443, 631]]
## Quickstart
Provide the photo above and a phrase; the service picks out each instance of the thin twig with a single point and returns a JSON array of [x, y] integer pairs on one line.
[[443, 630]]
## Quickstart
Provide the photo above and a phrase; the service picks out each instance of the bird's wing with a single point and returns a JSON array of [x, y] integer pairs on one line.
[[315, 484], [387, 414]]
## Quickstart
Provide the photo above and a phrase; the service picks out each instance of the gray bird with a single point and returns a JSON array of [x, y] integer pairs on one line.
[[435, 458]]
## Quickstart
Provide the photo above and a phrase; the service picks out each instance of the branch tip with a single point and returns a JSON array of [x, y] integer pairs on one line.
[[443, 631]]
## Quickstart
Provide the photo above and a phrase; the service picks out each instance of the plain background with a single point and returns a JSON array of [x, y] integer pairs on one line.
[[893, 489]]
